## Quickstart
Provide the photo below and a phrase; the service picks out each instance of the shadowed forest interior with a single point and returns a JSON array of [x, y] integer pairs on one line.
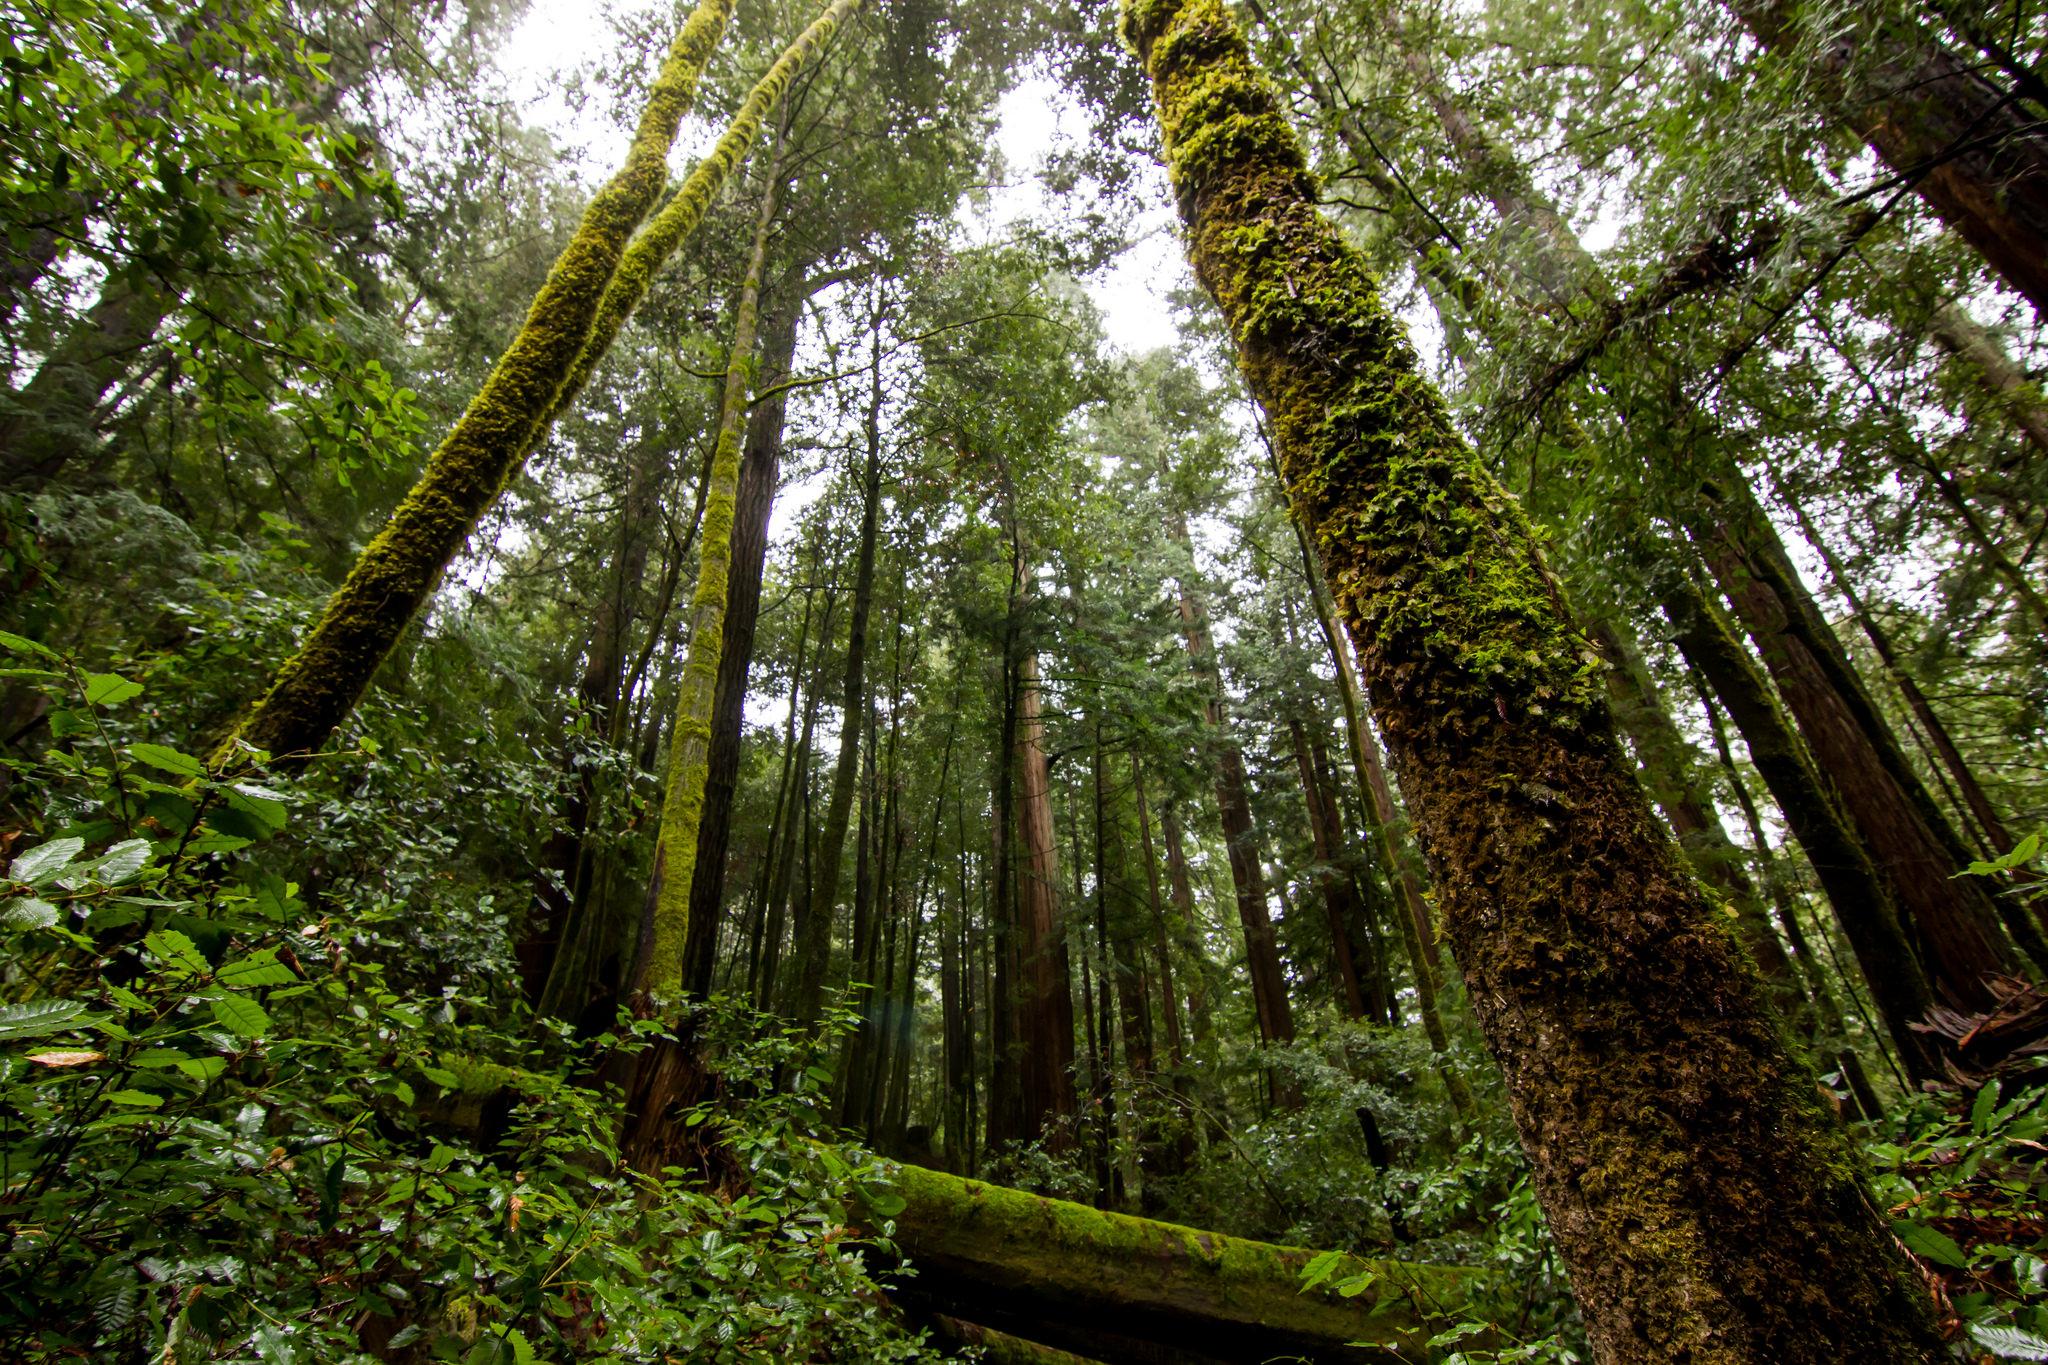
[[633, 729]]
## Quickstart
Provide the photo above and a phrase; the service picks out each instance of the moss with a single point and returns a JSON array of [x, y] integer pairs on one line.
[[1700, 1198], [320, 683], [1053, 1250]]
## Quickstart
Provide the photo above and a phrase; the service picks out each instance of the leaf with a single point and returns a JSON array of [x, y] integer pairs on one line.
[[109, 689], [139, 1098], [176, 951], [257, 802], [66, 1057], [1930, 1244], [203, 1069], [22, 645], [121, 862], [170, 760], [1321, 1268], [242, 1017], [41, 865], [29, 913], [260, 968], [35, 1017], [1984, 1108], [273, 1347], [2010, 1342]]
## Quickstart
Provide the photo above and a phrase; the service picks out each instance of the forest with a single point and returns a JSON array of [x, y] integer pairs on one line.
[[629, 733]]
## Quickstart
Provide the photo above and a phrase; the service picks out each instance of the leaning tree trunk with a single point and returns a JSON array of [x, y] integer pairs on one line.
[[1962, 143], [1705, 1205], [322, 681]]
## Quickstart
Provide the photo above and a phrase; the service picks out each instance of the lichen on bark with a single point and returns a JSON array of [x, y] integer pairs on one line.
[[1704, 1204]]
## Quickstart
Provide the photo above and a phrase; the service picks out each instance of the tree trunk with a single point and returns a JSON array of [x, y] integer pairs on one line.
[[1870, 918], [753, 504], [1937, 122], [1004, 1257], [1958, 927], [1644, 1071], [321, 682], [1046, 1009], [814, 954]]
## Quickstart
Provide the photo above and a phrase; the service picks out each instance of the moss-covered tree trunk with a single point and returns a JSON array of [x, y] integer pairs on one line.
[[321, 682], [1703, 1201], [1123, 1288], [753, 504]]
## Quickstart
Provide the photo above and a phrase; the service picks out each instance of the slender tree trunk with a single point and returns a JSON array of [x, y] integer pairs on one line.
[[321, 682], [1582, 935], [815, 950], [1340, 898], [753, 504], [1958, 926], [1870, 919], [1046, 993]]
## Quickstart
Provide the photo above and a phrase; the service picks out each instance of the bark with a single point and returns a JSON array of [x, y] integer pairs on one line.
[[689, 745], [1240, 837], [1703, 1201], [1168, 1008], [1956, 923], [997, 1255], [1667, 771], [1967, 150], [814, 953], [53, 420], [1006, 1116], [322, 681], [1046, 1008], [1339, 896], [754, 503], [1863, 902]]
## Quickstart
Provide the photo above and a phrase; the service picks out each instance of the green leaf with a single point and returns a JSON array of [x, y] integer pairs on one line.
[[447, 1080], [29, 913], [1985, 1106], [203, 1069], [33, 1018], [42, 865], [1321, 1268], [170, 760], [136, 1097], [259, 802], [177, 951], [1930, 1244], [2010, 1342], [109, 689], [241, 1017], [23, 645], [260, 968], [121, 862]]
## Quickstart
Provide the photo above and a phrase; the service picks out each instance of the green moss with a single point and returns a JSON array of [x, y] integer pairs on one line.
[[320, 683], [1058, 1248], [1699, 1196]]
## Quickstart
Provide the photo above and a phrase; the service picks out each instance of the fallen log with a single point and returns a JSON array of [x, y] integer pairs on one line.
[[1000, 1348], [1119, 1289]]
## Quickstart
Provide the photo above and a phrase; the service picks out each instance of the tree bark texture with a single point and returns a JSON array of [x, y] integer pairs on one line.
[[1703, 1202], [1871, 920], [1045, 990]]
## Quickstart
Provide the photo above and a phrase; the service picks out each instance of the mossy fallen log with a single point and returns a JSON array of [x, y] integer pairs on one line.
[[1000, 1348], [1117, 1285]]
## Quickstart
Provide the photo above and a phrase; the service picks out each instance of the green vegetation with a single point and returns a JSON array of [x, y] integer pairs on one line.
[[683, 752]]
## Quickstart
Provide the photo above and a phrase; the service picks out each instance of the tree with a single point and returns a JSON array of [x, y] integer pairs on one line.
[[1423, 549]]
